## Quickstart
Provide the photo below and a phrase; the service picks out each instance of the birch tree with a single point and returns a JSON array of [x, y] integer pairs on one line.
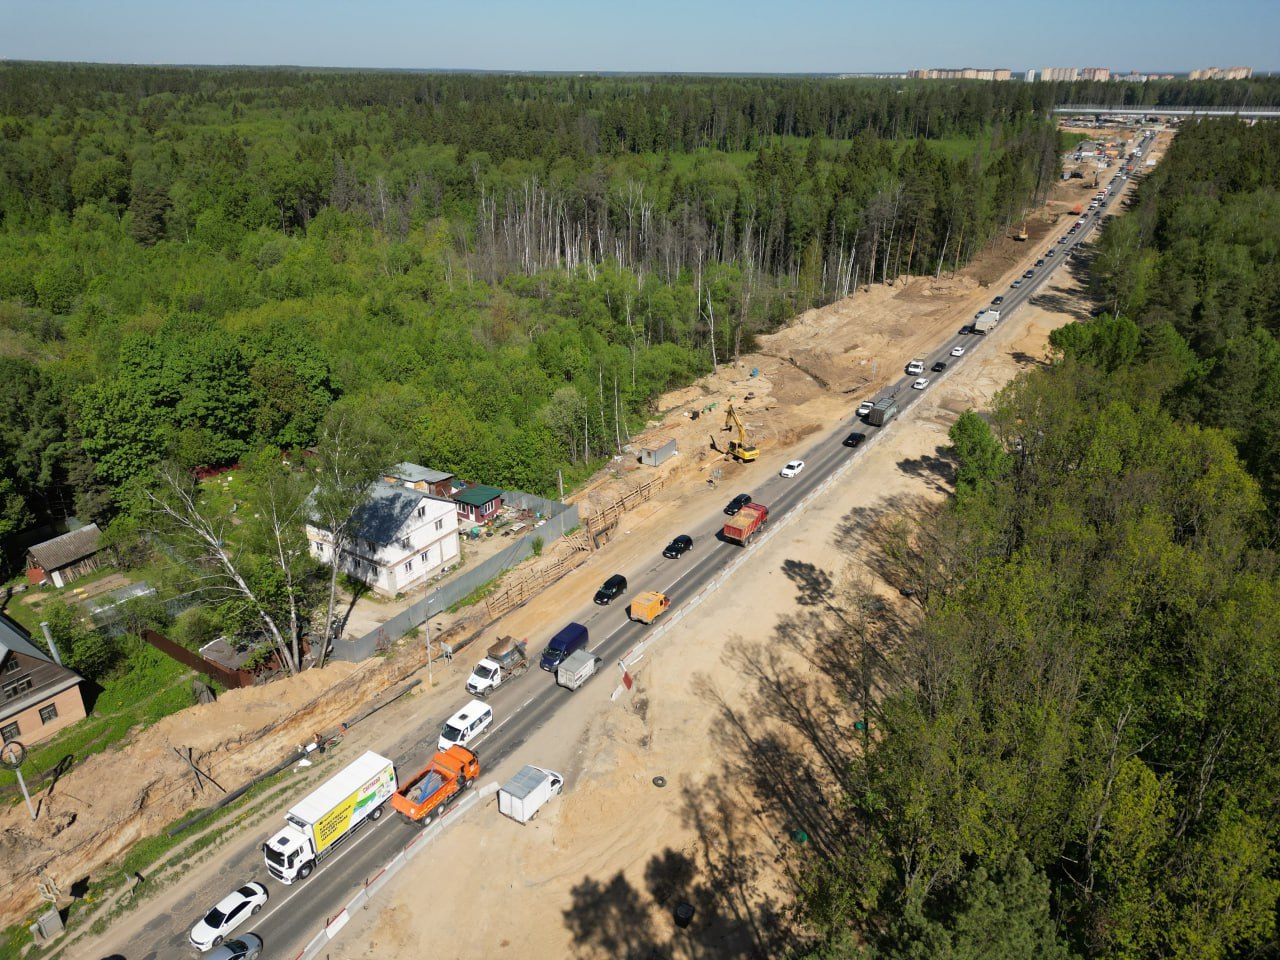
[[265, 588], [352, 453]]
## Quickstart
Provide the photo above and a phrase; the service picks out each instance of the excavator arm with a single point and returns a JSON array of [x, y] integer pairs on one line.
[[739, 449]]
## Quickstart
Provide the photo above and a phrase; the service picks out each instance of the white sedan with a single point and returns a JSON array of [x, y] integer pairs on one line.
[[792, 468], [920, 384], [231, 911], [957, 351]]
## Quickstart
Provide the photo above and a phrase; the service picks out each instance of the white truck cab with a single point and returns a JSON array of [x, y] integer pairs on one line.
[[328, 815]]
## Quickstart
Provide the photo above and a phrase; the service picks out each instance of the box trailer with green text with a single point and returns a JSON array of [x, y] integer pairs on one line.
[[328, 815]]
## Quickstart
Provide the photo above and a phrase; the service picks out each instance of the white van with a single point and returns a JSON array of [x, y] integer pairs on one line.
[[465, 725]]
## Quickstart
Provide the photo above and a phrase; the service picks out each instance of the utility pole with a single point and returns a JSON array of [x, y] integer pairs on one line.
[[12, 755], [430, 677]]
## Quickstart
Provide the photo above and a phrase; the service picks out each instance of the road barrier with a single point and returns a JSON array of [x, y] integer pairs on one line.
[[333, 926]]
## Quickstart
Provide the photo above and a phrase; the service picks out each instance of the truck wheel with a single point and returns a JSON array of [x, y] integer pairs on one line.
[[747, 541], [304, 871], [466, 784], [377, 812]]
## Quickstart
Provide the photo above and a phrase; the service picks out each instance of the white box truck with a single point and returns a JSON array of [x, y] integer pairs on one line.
[[328, 815], [986, 321], [577, 669], [523, 795]]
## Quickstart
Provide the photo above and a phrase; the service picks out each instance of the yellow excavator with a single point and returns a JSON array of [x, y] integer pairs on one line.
[[739, 449]]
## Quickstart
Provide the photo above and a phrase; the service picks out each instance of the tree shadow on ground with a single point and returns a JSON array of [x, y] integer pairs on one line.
[[905, 553], [1075, 307], [1027, 360], [1080, 265], [788, 746], [938, 468], [718, 881]]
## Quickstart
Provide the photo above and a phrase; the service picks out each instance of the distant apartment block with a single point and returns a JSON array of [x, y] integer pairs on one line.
[[1060, 74], [1095, 73], [961, 73], [1222, 73]]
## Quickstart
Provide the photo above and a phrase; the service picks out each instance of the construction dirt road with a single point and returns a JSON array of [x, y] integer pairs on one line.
[[597, 874]]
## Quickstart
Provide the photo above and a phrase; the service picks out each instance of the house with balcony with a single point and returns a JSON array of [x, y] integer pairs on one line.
[[400, 539], [38, 696]]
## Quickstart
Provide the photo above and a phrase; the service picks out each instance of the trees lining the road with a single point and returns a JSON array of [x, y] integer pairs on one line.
[[1089, 704]]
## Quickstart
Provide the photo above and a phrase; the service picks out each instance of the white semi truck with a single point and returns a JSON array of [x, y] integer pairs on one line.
[[328, 815]]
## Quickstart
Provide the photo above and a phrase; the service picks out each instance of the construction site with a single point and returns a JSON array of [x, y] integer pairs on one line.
[[597, 874]]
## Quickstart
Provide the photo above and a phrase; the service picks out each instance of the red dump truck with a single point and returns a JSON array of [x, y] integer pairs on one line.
[[435, 788], [742, 527]]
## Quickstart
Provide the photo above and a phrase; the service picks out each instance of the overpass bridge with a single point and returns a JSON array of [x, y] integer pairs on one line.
[[1250, 113]]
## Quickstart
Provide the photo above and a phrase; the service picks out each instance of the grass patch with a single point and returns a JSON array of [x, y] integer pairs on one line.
[[24, 608], [476, 595], [150, 688]]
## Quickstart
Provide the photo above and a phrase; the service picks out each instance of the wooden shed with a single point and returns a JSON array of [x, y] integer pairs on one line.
[[67, 558]]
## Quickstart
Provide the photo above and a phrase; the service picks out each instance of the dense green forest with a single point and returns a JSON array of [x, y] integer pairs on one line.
[[505, 270], [1081, 752], [1261, 91]]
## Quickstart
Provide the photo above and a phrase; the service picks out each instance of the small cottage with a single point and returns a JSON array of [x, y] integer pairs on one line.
[[478, 504], [438, 483]]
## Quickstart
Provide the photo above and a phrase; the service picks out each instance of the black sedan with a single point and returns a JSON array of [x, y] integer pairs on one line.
[[737, 503], [853, 439], [611, 589], [678, 547]]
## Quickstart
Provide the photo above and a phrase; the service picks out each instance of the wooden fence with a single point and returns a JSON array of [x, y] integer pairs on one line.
[[599, 526], [228, 678]]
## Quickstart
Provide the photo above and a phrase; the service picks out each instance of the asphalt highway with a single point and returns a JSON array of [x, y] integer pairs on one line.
[[295, 914]]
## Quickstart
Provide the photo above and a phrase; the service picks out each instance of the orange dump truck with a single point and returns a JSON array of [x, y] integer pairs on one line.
[[742, 527], [435, 788]]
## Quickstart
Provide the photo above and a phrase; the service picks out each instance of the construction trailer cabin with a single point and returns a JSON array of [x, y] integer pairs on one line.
[[656, 452]]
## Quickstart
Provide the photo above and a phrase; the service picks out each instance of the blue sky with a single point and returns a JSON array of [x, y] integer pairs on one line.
[[801, 36]]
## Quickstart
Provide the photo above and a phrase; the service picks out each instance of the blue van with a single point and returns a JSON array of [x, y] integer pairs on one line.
[[569, 640]]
